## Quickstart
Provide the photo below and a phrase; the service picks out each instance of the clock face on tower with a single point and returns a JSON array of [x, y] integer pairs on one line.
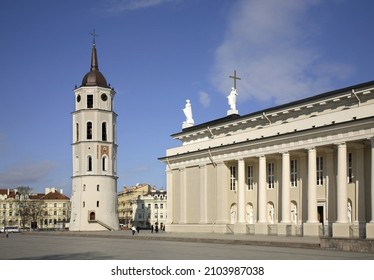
[[104, 97]]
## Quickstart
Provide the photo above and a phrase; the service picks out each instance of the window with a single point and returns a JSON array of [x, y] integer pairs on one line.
[[97, 203], [54, 204], [271, 175], [319, 171], [161, 206], [77, 131], [232, 178], [84, 204], [250, 177], [156, 206], [142, 205], [103, 131], [90, 101], [98, 187], [89, 163], [105, 163], [89, 130], [350, 168], [293, 168]]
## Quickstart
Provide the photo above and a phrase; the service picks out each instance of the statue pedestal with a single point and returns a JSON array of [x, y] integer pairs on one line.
[[232, 112], [186, 124]]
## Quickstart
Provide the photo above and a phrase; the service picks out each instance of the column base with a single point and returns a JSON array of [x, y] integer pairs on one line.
[[311, 229], [370, 230], [341, 230], [262, 228]]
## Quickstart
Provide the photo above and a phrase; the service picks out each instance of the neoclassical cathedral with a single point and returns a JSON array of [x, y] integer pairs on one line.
[[304, 168], [94, 150]]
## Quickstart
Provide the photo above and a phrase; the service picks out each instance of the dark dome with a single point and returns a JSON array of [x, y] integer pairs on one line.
[[94, 78]]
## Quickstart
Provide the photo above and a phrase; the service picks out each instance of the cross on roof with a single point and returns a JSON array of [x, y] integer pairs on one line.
[[94, 35], [235, 78]]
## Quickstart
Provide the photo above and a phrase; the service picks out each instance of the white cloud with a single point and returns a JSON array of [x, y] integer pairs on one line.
[[26, 174], [204, 99], [123, 5], [269, 44]]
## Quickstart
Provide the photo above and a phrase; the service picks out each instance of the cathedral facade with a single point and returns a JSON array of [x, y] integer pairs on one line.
[[305, 168], [94, 150]]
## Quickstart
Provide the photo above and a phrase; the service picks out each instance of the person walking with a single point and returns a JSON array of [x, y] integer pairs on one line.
[[133, 229], [152, 228]]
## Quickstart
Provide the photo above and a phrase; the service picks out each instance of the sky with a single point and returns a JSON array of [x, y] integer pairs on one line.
[[157, 54]]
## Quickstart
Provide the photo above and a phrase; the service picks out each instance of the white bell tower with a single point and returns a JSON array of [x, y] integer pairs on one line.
[[94, 152]]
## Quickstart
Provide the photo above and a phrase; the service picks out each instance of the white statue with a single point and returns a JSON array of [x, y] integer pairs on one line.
[[233, 215], [349, 212], [294, 214], [188, 113], [271, 214], [251, 215], [232, 99]]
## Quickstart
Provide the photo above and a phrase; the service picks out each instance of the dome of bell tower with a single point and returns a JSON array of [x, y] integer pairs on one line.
[[94, 77]]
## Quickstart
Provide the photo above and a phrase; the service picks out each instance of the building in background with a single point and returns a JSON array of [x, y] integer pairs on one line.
[[142, 205], [42, 211], [302, 168]]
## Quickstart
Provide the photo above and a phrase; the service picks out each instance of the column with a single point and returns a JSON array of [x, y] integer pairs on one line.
[[261, 227], [183, 196], [241, 191], [341, 228], [221, 196], [170, 199], [311, 227], [203, 195], [286, 214], [262, 190], [312, 186], [341, 184], [372, 180], [370, 225]]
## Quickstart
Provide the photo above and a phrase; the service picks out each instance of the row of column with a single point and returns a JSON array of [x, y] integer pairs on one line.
[[342, 214]]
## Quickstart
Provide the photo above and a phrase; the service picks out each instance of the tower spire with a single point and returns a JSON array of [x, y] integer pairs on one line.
[[94, 61]]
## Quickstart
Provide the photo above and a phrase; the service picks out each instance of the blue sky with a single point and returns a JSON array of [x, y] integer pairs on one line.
[[156, 54]]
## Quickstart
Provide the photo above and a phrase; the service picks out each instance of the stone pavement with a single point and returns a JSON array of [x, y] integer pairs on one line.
[[217, 238]]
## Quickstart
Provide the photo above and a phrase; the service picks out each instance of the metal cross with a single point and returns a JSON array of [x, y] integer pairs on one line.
[[94, 35], [235, 78]]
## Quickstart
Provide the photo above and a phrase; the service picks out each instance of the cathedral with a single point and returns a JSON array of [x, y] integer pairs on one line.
[[94, 149], [304, 168]]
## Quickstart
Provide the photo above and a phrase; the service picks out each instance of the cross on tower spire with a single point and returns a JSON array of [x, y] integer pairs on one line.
[[94, 34], [235, 78]]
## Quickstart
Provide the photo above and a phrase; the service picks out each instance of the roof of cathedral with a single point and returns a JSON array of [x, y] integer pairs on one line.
[[94, 77]]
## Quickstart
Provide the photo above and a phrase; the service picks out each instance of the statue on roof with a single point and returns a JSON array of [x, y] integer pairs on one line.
[[188, 113]]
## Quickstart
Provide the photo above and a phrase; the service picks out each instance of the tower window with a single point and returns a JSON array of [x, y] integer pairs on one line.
[[89, 164], [103, 131], [97, 203], [77, 131], [89, 130], [105, 163], [350, 168], [90, 101], [98, 187]]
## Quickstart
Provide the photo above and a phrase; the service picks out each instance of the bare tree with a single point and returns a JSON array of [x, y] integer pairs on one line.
[[30, 207]]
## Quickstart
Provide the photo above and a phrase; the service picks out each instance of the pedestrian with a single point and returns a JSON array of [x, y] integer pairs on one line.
[[156, 228], [133, 230], [137, 229], [152, 228], [7, 235]]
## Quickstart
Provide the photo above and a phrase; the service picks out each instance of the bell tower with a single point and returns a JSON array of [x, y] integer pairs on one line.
[[94, 152]]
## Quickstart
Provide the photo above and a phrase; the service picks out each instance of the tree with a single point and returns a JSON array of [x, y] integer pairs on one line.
[[30, 207]]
